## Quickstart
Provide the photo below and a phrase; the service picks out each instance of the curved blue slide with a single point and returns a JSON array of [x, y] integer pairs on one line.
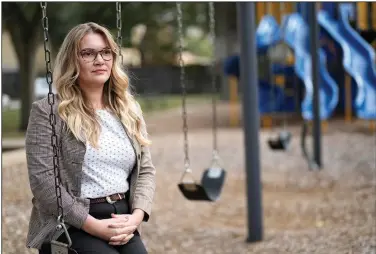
[[268, 34], [296, 35], [358, 59]]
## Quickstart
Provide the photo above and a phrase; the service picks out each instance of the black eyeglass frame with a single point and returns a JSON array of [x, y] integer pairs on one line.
[[96, 54]]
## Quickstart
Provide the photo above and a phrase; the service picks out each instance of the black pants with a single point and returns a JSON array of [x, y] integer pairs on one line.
[[85, 243]]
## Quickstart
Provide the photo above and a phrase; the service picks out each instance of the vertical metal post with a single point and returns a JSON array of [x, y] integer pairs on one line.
[[314, 38], [249, 83]]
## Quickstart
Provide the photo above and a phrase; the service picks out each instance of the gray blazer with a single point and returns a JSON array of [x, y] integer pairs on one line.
[[39, 156]]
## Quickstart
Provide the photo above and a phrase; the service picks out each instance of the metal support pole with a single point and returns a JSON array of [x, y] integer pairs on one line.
[[249, 83], [314, 38]]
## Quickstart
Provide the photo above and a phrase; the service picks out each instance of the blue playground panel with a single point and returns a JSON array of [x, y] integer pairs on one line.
[[296, 36], [281, 102], [267, 34], [358, 61], [358, 58]]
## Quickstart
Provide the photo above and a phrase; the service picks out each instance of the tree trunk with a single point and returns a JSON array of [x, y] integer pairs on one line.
[[26, 36], [26, 48], [25, 33], [26, 43], [28, 74]]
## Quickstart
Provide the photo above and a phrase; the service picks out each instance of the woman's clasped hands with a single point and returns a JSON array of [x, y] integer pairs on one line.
[[117, 230], [124, 225]]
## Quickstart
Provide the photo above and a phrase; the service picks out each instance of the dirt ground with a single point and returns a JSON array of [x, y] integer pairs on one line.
[[328, 211]]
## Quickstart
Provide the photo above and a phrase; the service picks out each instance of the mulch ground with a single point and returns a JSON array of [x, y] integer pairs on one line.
[[327, 211]]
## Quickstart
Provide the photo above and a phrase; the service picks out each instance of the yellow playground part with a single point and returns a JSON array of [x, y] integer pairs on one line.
[[289, 7], [260, 11], [348, 99], [234, 101], [372, 126], [279, 80], [266, 120], [274, 9], [362, 14], [324, 125], [290, 60]]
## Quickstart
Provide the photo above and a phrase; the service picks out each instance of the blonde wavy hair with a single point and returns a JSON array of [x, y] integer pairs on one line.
[[75, 110]]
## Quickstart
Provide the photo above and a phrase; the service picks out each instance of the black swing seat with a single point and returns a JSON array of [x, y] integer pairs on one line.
[[210, 188], [281, 142]]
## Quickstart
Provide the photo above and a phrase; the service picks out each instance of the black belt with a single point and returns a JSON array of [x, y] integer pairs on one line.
[[109, 199]]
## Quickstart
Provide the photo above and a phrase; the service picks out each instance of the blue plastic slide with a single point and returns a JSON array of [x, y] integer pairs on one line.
[[267, 35], [232, 68], [358, 59], [296, 35]]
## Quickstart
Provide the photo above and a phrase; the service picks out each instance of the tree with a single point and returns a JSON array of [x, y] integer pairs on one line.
[[22, 20]]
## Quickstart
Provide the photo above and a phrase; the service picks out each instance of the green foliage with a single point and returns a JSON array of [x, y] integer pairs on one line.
[[10, 122], [62, 16], [23, 21], [201, 46]]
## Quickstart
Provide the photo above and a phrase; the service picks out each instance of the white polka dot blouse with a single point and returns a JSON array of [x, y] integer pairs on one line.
[[106, 169]]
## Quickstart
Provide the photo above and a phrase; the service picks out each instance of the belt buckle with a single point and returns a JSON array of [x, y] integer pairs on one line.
[[109, 200]]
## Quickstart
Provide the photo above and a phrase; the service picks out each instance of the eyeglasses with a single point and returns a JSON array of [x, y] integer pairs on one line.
[[89, 55]]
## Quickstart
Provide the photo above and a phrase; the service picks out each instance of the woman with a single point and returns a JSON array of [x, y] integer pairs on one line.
[[107, 175]]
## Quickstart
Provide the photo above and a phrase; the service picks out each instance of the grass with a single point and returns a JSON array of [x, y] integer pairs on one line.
[[10, 124], [11, 118]]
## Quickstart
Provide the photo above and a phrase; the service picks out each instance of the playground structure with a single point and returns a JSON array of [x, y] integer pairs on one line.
[[210, 215], [349, 89], [301, 32]]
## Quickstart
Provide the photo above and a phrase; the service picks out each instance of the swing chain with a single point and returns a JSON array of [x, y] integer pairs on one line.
[[216, 160], [118, 26], [213, 78], [183, 87], [52, 116]]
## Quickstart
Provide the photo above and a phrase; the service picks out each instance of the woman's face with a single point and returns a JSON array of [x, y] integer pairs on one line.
[[95, 61]]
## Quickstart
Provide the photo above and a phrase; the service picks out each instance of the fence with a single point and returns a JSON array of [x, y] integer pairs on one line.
[[149, 80]]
